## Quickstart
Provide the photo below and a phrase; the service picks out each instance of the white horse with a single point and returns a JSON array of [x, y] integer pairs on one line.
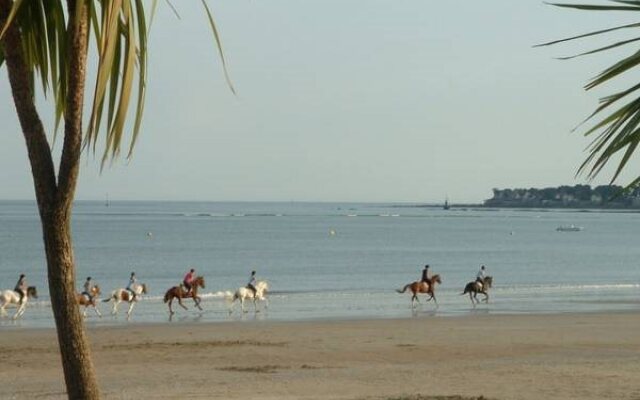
[[120, 295], [12, 298], [243, 294]]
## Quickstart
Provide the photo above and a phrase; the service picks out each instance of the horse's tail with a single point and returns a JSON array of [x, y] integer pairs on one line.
[[467, 289], [231, 297], [404, 289], [167, 295], [108, 299]]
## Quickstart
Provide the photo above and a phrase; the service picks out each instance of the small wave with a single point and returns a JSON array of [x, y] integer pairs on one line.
[[569, 287]]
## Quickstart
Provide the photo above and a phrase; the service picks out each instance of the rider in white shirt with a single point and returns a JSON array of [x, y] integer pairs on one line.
[[480, 276]]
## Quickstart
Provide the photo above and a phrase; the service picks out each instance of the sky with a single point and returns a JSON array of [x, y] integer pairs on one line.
[[348, 100]]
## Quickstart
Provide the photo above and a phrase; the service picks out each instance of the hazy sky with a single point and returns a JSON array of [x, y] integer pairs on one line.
[[348, 100]]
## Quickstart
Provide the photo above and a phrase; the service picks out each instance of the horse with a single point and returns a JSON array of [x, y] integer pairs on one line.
[[244, 293], [120, 295], [473, 288], [83, 300], [422, 287], [11, 297], [177, 292]]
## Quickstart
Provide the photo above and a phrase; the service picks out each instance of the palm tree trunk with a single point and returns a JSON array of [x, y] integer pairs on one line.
[[55, 199], [78, 367]]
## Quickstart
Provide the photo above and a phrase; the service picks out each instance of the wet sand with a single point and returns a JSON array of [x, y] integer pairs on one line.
[[573, 356]]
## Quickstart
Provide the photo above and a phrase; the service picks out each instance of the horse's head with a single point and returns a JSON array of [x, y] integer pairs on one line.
[[488, 281], [95, 290], [262, 286], [144, 288], [199, 281], [436, 278], [32, 292]]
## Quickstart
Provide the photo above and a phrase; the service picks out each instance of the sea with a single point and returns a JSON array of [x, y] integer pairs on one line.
[[331, 260]]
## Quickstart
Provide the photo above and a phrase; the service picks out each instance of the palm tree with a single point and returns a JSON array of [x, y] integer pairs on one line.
[[617, 119], [47, 41]]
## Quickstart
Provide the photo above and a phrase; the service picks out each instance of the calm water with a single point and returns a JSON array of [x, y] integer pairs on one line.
[[351, 274]]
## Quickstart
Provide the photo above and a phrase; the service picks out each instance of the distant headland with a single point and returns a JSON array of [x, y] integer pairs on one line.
[[578, 196]]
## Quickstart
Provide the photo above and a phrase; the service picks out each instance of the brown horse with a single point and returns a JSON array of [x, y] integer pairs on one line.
[[473, 288], [83, 300], [177, 292], [422, 287]]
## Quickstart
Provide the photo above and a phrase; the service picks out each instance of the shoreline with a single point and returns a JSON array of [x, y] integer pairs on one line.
[[533, 356]]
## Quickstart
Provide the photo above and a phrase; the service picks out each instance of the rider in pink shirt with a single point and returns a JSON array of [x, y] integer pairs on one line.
[[188, 279]]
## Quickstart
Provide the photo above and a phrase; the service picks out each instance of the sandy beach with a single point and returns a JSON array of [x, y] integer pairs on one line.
[[575, 356]]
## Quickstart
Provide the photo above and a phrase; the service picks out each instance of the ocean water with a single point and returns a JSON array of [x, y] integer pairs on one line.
[[332, 260]]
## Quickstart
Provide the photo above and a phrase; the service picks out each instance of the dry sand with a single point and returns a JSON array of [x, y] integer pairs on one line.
[[576, 356]]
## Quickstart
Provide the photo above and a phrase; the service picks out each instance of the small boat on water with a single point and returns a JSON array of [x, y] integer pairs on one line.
[[569, 228], [446, 204]]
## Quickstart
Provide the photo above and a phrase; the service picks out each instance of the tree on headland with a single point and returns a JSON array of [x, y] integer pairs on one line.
[[48, 41], [616, 121]]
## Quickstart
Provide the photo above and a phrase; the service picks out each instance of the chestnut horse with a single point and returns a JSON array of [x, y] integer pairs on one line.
[[120, 295], [473, 288], [10, 297], [83, 300], [422, 287], [177, 292]]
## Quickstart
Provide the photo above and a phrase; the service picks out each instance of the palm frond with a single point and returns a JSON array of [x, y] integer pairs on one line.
[[219, 45], [618, 132], [120, 29]]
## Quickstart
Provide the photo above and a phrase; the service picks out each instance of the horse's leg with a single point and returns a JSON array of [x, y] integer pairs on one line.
[[415, 300], [20, 311], [242, 304], [131, 304], [486, 297], [114, 309], [180, 302], [433, 296], [95, 308], [170, 309], [471, 298], [197, 300]]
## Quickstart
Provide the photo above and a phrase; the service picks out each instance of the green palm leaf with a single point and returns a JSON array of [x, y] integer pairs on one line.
[[618, 132], [119, 29]]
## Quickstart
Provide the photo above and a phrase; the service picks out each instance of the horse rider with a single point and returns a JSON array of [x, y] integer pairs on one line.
[[252, 283], [425, 275], [88, 285], [21, 287], [480, 277], [132, 281], [187, 282]]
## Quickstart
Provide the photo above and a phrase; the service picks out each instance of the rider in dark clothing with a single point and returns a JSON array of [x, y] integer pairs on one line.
[[252, 283], [132, 281], [88, 285], [21, 287], [425, 275]]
